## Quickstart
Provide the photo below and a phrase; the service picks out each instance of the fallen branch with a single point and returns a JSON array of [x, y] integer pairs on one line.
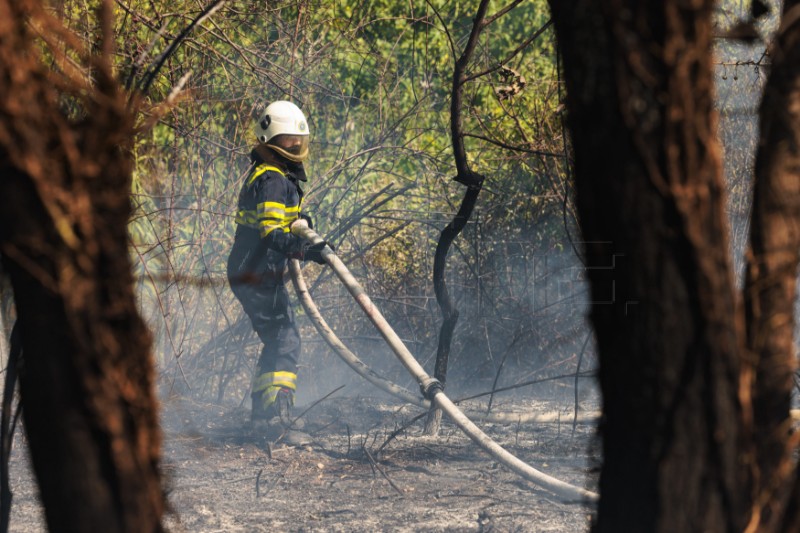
[[384, 474]]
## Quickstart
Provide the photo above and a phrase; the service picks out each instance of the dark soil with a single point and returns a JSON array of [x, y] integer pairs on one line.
[[221, 477]]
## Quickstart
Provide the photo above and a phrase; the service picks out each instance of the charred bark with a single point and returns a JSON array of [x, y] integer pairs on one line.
[[446, 304], [770, 283], [87, 381], [474, 182], [649, 194]]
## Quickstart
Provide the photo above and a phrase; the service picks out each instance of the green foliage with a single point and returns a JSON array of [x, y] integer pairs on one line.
[[374, 79]]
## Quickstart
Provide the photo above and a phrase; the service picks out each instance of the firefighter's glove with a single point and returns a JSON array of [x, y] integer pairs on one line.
[[314, 252], [308, 220]]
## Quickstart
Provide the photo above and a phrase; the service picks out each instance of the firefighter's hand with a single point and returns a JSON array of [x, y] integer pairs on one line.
[[307, 218], [314, 252]]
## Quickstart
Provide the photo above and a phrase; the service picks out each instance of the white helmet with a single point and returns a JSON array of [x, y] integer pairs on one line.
[[283, 127]]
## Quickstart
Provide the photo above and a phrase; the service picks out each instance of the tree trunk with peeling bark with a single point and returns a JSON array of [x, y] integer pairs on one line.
[[87, 380], [770, 282], [650, 199]]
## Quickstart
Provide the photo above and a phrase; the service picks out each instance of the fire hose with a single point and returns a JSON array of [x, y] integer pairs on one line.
[[363, 370], [431, 388]]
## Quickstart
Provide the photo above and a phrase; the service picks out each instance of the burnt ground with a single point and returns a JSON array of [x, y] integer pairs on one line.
[[223, 478]]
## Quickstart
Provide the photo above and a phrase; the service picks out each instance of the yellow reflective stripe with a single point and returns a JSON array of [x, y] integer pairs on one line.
[[271, 210], [285, 376], [260, 169], [282, 375], [269, 383], [266, 230], [276, 380], [247, 218], [273, 214], [292, 214], [263, 382], [273, 218], [268, 398], [270, 224]]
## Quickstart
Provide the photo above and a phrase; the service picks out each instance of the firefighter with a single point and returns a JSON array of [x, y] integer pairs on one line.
[[270, 204]]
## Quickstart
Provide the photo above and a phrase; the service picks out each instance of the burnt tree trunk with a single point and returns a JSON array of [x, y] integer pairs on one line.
[[650, 200], [87, 379], [770, 283], [474, 183]]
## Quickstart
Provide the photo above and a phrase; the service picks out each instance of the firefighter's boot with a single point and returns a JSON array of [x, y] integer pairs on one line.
[[275, 422]]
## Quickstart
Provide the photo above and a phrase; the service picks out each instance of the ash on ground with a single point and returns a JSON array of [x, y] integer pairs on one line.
[[369, 468]]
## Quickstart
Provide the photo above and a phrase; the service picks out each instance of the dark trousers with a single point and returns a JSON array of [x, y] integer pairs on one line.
[[273, 320]]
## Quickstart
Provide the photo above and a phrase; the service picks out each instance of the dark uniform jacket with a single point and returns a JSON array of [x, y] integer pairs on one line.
[[270, 200]]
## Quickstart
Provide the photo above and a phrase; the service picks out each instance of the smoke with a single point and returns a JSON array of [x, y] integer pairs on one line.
[[740, 74]]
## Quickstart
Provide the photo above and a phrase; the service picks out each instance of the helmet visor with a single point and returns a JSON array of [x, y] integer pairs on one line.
[[293, 147]]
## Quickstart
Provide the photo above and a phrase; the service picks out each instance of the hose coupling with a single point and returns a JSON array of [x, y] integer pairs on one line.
[[430, 388]]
